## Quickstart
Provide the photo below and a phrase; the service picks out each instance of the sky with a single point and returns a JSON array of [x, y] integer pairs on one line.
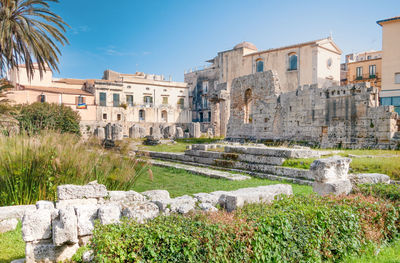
[[167, 37]]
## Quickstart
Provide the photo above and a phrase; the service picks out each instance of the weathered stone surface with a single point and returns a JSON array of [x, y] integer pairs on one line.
[[44, 204], [91, 190], [109, 214], [141, 211], [332, 168], [337, 187], [238, 198], [179, 133], [65, 227], [207, 198], [88, 256], [8, 225], [369, 178], [75, 202], [208, 207], [21, 260], [124, 197], [156, 195], [194, 130], [45, 252], [36, 225], [17, 211], [183, 204], [84, 240], [86, 214]]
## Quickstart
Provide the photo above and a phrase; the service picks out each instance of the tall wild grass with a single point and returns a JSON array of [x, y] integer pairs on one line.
[[31, 167]]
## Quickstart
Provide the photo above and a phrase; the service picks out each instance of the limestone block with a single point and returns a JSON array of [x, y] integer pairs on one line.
[[91, 190], [109, 214], [21, 260], [86, 214], [65, 227], [194, 130], [156, 195], [44, 204], [369, 178], [332, 168], [46, 251], [88, 256], [17, 211], [124, 197], [179, 133], [337, 187], [210, 133], [100, 133], [207, 198], [141, 211], [8, 225], [75, 202], [208, 207], [36, 225], [183, 204]]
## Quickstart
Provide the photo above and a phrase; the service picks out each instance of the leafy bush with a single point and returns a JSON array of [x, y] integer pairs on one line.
[[44, 116], [389, 192], [31, 167], [295, 229]]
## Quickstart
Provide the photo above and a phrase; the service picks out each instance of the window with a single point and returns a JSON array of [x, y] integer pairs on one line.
[[201, 117], [142, 115], [181, 103], [396, 101], [292, 61], [118, 117], [129, 100], [209, 116], [205, 86], [148, 100], [42, 98], [129, 87], [103, 99], [372, 71], [259, 65], [359, 73], [397, 78], [164, 116], [164, 100], [116, 100], [104, 116], [369, 57], [205, 102]]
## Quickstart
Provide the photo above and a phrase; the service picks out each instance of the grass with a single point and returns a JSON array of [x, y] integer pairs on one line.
[[11, 245], [180, 182], [387, 254], [179, 146]]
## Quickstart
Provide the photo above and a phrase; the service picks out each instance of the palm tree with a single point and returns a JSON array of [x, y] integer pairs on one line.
[[29, 33]]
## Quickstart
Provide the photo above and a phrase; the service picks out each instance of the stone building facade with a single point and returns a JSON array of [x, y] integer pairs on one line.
[[314, 62], [337, 116]]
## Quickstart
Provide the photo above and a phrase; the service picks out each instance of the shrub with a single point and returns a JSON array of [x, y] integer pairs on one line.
[[31, 167], [389, 192], [294, 229], [44, 116]]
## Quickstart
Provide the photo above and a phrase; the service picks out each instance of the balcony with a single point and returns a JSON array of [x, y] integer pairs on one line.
[[366, 77]]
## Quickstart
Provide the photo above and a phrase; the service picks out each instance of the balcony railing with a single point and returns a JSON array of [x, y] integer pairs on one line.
[[366, 76]]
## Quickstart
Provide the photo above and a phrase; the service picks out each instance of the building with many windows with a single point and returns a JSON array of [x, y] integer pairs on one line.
[[390, 92]]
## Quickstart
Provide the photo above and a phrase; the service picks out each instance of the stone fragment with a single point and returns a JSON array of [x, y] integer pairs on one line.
[[8, 225], [207, 198], [36, 225], [156, 195], [332, 168], [337, 187], [208, 207], [109, 214], [179, 133], [88, 256], [75, 202], [21, 260], [65, 227], [194, 130], [141, 211], [46, 251], [369, 178], [183, 204], [91, 190], [86, 214], [44, 204], [124, 197], [16, 211]]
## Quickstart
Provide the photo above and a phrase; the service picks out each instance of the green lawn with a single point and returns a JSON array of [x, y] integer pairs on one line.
[[179, 182], [11, 245], [387, 254]]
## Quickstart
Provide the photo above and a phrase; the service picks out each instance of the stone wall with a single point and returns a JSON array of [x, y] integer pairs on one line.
[[348, 116]]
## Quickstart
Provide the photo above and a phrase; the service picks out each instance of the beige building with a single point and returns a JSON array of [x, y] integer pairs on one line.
[[314, 62], [390, 93]]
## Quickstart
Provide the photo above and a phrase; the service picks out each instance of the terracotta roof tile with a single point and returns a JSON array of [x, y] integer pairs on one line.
[[58, 90]]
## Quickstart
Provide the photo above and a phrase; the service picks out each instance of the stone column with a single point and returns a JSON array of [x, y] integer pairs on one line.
[[215, 115]]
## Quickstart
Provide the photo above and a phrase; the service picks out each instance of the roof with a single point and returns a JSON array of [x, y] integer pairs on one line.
[[71, 81], [245, 44], [58, 90], [380, 22], [314, 42]]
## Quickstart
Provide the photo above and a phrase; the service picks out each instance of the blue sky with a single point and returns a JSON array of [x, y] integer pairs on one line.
[[169, 36]]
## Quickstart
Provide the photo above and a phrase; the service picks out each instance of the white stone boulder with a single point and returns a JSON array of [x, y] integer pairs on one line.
[[43, 204], [109, 214], [208, 198], [46, 251], [156, 195], [86, 215], [369, 178], [8, 225], [91, 190], [36, 225], [141, 211], [124, 197], [16, 211], [207, 207], [337, 187], [183, 204], [238, 198], [65, 227], [75, 203]]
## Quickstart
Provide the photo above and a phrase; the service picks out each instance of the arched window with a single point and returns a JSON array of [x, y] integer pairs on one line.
[[248, 118], [142, 115], [259, 65], [164, 116], [292, 61]]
